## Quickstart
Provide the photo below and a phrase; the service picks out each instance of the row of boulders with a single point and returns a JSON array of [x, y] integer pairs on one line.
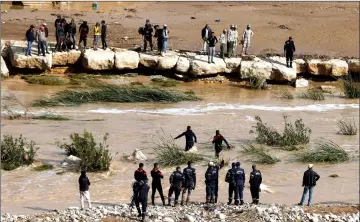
[[196, 212], [270, 68]]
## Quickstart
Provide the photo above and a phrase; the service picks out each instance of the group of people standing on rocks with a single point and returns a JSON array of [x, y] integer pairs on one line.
[[161, 34]]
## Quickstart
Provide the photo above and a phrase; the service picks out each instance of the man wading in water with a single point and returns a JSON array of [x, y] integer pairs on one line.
[[217, 141], [190, 138]]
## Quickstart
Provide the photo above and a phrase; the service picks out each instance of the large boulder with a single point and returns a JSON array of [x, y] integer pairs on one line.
[[338, 67], [168, 61], [280, 72], [258, 68], [66, 58], [200, 66], [300, 83], [354, 65], [301, 66], [182, 65], [148, 60], [4, 69], [232, 65], [333, 67], [20, 60], [98, 59], [125, 59]]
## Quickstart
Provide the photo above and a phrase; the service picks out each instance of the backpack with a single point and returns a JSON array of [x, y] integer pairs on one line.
[[228, 176], [141, 31]]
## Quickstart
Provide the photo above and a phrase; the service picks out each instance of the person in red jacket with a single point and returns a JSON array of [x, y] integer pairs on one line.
[[156, 183], [217, 141], [140, 178]]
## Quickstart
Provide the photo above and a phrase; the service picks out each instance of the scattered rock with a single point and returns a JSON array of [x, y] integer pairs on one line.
[[284, 27], [328, 89], [192, 17], [72, 160], [299, 83], [137, 155], [200, 66], [354, 65], [182, 65], [334, 175]]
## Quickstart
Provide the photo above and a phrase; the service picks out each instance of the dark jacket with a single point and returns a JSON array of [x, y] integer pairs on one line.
[[177, 179], [148, 30], [239, 176], [84, 183], [230, 175], [212, 175], [157, 176], [46, 31], [140, 175], [203, 33], [289, 46], [60, 31], [212, 40], [143, 192], [72, 29], [84, 30], [158, 35], [30, 35], [255, 178], [104, 30], [56, 23], [189, 135], [218, 139], [190, 176], [310, 178]]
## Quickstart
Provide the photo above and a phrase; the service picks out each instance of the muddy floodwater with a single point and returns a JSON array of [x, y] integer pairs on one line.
[[227, 107]]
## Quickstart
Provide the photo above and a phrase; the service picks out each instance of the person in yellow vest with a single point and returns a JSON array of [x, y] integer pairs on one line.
[[96, 34]]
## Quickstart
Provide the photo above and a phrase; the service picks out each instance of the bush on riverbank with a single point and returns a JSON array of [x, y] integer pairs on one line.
[[324, 151], [16, 152], [347, 127], [257, 83], [313, 94], [350, 88], [286, 95], [293, 135], [164, 82], [94, 157], [45, 80], [51, 116], [115, 93], [168, 153], [258, 154]]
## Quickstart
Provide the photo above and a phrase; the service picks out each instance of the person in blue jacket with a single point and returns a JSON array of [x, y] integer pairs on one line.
[[30, 37], [239, 181]]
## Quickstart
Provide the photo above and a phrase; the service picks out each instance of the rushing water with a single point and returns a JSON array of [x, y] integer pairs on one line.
[[227, 107]]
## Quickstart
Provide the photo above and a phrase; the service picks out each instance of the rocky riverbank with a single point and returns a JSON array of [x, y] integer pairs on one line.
[[189, 64], [199, 212]]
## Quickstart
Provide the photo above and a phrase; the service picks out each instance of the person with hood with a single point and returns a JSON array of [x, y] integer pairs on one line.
[[222, 40], [289, 49], [239, 182], [72, 33], [96, 35], [158, 35], [217, 141], [205, 34], [103, 34], [229, 179], [309, 182], [61, 36], [212, 181], [84, 184], [30, 37], [165, 38], [140, 177], [189, 183], [156, 184], [231, 36], [148, 30], [176, 184], [255, 182], [190, 138], [142, 197], [246, 39], [84, 31], [41, 40]]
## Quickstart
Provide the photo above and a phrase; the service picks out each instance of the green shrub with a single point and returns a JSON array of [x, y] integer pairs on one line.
[[313, 94], [286, 95], [347, 127], [257, 83], [46, 80], [325, 151], [16, 152], [165, 82], [43, 167], [168, 153], [265, 134], [258, 154], [350, 88], [51, 116], [94, 157]]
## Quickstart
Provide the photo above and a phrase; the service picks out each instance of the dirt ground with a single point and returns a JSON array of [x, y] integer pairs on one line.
[[330, 28], [337, 210]]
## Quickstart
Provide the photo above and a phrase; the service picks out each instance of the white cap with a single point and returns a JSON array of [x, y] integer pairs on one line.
[[249, 25], [165, 25], [310, 165], [44, 23]]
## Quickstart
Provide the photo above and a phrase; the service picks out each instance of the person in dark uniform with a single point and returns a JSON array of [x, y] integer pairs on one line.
[[239, 180], [148, 30], [84, 31], [212, 181], [158, 35], [255, 181], [190, 138], [176, 184], [156, 183], [140, 178], [229, 179], [289, 49], [217, 141], [104, 32], [143, 199], [189, 184]]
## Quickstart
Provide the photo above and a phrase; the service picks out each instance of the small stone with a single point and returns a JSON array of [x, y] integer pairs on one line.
[[168, 219], [190, 218]]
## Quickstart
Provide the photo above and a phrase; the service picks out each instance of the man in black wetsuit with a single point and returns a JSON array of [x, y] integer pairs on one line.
[[156, 183], [289, 49], [176, 183], [190, 138], [189, 184], [217, 141]]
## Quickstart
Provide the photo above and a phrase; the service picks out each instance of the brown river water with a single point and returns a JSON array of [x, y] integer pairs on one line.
[[227, 107]]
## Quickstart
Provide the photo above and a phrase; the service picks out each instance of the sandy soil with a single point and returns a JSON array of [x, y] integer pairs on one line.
[[330, 28]]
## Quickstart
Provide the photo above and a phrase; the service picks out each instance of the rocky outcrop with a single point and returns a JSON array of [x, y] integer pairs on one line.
[[149, 61], [66, 58], [338, 67], [182, 65], [354, 65], [168, 62], [232, 65], [257, 68], [4, 69], [125, 59], [333, 67], [280, 72], [200, 66], [299, 83], [301, 66], [20, 60], [98, 59]]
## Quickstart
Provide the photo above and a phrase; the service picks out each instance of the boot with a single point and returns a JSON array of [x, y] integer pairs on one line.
[[163, 201], [139, 211], [207, 201], [182, 199], [187, 200], [215, 201], [176, 203], [241, 202], [169, 200], [236, 202], [256, 201], [230, 201]]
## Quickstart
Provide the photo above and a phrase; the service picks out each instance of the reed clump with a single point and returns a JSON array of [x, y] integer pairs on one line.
[[164, 82], [51, 116], [313, 94], [350, 88], [45, 80], [347, 127], [258, 154], [286, 95]]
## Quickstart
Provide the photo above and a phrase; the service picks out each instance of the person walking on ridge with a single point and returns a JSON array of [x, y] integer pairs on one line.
[[84, 184], [189, 184], [255, 182], [158, 35], [309, 182], [190, 138], [156, 184], [165, 38], [72, 33], [46, 30], [289, 49]]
